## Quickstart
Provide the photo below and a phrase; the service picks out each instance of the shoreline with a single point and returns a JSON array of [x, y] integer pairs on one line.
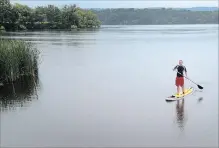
[[104, 26]]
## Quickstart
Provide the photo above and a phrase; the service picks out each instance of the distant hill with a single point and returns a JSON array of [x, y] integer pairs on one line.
[[157, 16], [191, 9]]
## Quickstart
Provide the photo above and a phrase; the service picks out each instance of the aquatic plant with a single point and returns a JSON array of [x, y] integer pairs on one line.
[[20, 94], [17, 58]]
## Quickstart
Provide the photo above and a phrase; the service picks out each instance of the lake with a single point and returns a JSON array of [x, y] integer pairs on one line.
[[107, 88]]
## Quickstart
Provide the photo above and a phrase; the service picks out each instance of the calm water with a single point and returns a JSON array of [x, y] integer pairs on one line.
[[108, 87]]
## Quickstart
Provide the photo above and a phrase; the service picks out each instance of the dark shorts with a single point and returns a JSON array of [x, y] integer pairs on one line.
[[179, 81]]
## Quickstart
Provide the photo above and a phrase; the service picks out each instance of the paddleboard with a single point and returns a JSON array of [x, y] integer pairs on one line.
[[181, 95]]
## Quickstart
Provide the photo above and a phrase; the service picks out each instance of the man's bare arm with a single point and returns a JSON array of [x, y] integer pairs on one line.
[[186, 71]]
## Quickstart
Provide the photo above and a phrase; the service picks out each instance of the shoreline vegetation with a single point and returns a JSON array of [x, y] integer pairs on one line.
[[14, 17], [18, 59]]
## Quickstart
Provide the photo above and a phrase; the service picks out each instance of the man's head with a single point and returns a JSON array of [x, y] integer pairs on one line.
[[180, 62]]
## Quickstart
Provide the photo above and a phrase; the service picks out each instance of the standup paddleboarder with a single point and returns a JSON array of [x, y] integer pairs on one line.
[[179, 78]]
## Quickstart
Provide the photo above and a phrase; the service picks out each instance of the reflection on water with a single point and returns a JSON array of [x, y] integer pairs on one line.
[[71, 38], [19, 94], [200, 99], [180, 114]]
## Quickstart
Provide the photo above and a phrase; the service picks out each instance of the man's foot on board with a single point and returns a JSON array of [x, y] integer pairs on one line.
[[177, 95]]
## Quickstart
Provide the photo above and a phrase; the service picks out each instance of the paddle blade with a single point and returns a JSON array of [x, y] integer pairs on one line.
[[200, 87]]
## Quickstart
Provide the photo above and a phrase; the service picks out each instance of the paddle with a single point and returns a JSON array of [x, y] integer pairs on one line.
[[200, 87]]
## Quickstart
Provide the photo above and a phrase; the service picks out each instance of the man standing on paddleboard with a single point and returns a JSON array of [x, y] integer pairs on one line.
[[179, 76]]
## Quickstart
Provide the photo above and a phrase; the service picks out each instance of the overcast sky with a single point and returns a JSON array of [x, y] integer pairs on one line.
[[122, 3]]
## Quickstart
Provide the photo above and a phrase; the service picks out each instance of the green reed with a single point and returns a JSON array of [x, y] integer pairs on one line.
[[17, 58]]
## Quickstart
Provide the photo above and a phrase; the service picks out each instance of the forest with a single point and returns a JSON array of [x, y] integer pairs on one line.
[[161, 16], [21, 17]]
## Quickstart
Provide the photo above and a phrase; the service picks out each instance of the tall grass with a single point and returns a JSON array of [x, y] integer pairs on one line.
[[17, 59]]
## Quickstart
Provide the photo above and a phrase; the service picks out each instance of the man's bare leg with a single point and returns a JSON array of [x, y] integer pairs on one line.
[[183, 89], [177, 90]]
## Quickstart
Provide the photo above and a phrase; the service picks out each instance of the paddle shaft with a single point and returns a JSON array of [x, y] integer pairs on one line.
[[187, 78]]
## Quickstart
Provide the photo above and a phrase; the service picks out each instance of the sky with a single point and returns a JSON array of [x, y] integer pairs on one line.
[[122, 3]]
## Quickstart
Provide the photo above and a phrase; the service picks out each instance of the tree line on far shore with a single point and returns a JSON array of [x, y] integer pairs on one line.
[[158, 16], [21, 17]]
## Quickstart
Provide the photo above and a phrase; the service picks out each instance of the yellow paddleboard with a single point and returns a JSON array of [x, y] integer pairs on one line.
[[181, 95]]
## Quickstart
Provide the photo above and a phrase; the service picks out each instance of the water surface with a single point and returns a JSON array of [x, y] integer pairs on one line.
[[107, 88]]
